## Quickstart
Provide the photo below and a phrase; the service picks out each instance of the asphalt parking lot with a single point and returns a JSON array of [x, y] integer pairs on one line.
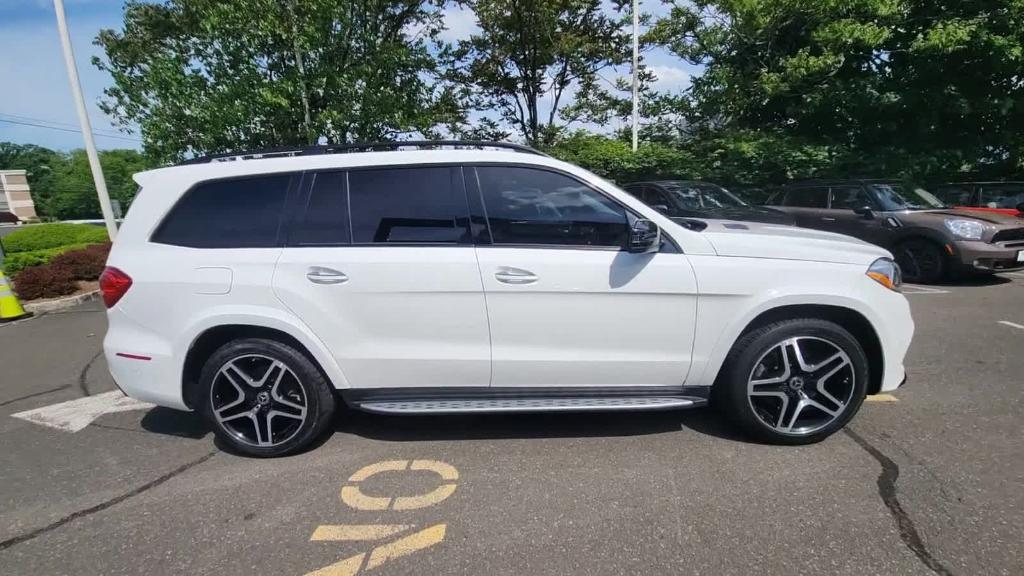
[[929, 480]]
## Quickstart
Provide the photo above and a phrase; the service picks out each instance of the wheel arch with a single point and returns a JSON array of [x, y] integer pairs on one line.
[[852, 320], [209, 338]]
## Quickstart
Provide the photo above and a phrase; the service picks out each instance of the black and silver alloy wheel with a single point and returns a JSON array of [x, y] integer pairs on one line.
[[258, 400], [265, 398], [793, 381], [801, 385]]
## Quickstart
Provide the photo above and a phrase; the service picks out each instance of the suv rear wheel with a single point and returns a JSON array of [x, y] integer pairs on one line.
[[264, 398], [795, 381], [920, 260]]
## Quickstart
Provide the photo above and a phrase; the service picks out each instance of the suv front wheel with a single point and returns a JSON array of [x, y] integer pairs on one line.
[[264, 398], [794, 381]]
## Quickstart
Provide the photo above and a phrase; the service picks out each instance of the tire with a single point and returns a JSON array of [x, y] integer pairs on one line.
[[921, 261], [255, 380], [777, 405]]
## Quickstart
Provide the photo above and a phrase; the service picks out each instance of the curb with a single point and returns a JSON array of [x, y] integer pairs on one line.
[[60, 303]]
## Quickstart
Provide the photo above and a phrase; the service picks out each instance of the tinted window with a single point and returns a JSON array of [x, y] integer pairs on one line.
[[324, 218], [1002, 195], [399, 205], [955, 195], [850, 197], [244, 213], [807, 198], [529, 206]]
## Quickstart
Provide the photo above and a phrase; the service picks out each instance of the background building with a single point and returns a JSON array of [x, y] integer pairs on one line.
[[15, 196]]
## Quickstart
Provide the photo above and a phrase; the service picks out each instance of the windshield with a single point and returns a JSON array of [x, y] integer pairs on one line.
[[901, 197], [702, 196]]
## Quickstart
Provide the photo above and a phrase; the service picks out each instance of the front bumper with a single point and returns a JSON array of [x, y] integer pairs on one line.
[[984, 257]]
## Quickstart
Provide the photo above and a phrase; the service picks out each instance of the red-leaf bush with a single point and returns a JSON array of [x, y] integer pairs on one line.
[[44, 282], [84, 264]]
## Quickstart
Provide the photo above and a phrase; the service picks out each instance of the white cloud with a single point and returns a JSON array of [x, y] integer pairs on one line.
[[670, 78], [459, 22]]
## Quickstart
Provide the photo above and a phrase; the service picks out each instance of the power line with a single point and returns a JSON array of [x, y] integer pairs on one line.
[[20, 123], [57, 123]]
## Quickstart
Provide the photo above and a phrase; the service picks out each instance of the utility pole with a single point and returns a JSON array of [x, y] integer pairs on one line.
[[636, 63], [83, 119]]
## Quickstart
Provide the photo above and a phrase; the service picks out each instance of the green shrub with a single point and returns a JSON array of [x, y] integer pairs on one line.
[[44, 236], [18, 261]]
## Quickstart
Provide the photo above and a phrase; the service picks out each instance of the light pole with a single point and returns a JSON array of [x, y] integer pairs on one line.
[[636, 63], [83, 119]]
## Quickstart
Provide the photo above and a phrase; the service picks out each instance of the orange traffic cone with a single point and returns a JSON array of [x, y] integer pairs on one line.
[[10, 308]]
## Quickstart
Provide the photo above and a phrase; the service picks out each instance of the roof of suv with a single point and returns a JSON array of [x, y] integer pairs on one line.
[[828, 181], [229, 168]]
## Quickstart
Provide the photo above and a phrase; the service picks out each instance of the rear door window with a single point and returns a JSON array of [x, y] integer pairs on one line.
[[540, 207], [237, 213], [811, 197], [323, 220], [408, 205]]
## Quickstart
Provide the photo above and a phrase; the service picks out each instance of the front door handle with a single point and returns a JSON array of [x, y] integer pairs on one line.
[[322, 275], [828, 219], [510, 275]]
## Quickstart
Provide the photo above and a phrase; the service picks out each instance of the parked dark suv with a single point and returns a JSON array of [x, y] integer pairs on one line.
[[695, 199], [928, 239]]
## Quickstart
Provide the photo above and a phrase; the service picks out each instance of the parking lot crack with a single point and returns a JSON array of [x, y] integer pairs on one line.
[[104, 505], [85, 373], [887, 491]]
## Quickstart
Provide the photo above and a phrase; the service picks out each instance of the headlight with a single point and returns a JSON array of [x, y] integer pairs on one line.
[[966, 229], [887, 273]]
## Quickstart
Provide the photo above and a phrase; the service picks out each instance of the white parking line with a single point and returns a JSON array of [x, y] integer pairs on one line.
[[1011, 324], [74, 415], [915, 289]]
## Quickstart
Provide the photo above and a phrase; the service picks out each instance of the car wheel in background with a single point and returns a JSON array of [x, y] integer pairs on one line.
[[920, 260], [795, 381], [265, 398]]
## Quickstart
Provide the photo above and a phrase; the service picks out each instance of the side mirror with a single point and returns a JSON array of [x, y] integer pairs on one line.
[[660, 208], [864, 211], [644, 237]]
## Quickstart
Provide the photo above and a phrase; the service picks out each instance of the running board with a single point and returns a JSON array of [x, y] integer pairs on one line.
[[454, 405]]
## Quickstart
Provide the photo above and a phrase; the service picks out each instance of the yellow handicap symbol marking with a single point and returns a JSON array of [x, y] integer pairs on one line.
[[352, 496]]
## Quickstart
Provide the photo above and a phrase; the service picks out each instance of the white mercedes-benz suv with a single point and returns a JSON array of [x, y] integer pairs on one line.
[[262, 290]]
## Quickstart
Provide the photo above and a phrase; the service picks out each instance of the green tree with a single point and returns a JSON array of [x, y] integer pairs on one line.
[[894, 87], [203, 76], [40, 164], [75, 192], [530, 57]]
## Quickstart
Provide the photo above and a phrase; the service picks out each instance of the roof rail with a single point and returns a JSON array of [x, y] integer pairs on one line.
[[290, 151]]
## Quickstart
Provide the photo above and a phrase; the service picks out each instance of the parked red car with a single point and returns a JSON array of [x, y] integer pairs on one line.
[[1001, 197]]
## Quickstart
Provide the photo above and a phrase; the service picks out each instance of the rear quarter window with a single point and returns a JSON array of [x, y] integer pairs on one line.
[[236, 213]]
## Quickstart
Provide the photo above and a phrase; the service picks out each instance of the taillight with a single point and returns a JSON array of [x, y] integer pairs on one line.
[[114, 284]]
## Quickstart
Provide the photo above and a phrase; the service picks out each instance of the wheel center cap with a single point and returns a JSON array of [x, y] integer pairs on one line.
[[796, 383], [263, 398]]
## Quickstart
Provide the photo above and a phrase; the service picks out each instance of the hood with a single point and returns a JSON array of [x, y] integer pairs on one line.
[[996, 218], [754, 240], [742, 213]]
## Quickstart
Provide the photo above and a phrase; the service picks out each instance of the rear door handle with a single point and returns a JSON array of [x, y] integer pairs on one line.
[[323, 275], [510, 275], [828, 219]]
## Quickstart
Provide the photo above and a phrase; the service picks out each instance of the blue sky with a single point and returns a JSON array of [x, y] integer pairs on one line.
[[30, 51]]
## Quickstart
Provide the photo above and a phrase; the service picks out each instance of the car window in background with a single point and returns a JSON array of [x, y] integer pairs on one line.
[[697, 196], [901, 197], [955, 195], [850, 197], [530, 206], [408, 205], [1002, 195], [814, 197]]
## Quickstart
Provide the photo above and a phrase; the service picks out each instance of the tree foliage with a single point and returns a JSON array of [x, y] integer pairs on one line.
[[61, 183], [214, 75], [909, 87], [531, 58]]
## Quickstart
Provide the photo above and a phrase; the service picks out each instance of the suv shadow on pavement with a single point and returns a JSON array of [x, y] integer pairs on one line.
[[526, 425]]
